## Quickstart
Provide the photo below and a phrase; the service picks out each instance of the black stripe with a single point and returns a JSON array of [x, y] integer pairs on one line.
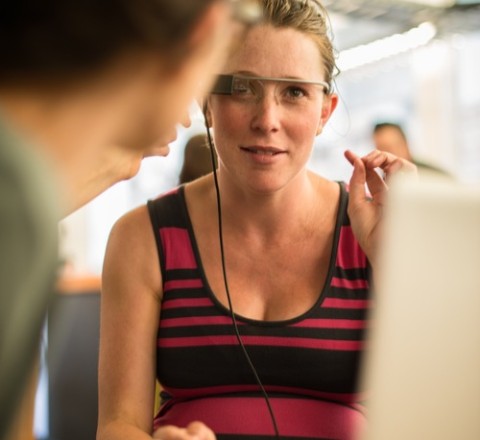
[[343, 293], [315, 370], [350, 274], [182, 274], [297, 332], [184, 293], [188, 312]]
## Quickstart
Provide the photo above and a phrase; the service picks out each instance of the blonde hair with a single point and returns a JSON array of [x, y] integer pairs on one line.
[[309, 17]]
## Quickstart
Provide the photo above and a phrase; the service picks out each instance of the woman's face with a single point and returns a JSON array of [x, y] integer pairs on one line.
[[264, 139]]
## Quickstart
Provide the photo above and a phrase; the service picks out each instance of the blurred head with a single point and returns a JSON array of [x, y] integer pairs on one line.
[[391, 138], [264, 129], [66, 39], [65, 44]]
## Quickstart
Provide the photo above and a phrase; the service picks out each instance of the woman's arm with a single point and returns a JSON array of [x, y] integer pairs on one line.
[[130, 311]]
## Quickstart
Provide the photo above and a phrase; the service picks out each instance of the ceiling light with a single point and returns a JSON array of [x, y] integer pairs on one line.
[[434, 3], [386, 47]]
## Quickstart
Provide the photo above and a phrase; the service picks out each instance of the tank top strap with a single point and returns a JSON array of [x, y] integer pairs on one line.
[[170, 222]]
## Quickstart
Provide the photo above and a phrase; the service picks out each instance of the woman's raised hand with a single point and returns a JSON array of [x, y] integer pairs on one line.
[[368, 190]]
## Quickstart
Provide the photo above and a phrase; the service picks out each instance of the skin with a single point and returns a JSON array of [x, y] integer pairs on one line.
[[263, 196], [365, 210]]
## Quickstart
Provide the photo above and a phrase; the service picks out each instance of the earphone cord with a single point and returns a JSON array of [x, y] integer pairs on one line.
[[234, 321]]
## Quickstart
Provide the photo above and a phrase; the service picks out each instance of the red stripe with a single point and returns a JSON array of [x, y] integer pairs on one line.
[[187, 302], [351, 324], [197, 321], [183, 284], [305, 418], [201, 341], [349, 284], [178, 249], [349, 254], [180, 393], [337, 303]]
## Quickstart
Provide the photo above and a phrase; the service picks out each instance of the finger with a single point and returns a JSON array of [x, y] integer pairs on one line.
[[200, 431], [378, 159], [389, 163], [376, 185], [400, 166], [350, 156], [171, 433], [358, 179]]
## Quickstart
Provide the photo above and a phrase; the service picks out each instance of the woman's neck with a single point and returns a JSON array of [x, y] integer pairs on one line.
[[296, 208]]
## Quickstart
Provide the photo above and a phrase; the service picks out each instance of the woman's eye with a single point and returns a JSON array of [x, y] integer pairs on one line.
[[246, 90], [240, 90], [294, 92], [243, 88], [243, 93]]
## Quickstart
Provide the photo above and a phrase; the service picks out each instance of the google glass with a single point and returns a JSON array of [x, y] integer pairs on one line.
[[233, 84]]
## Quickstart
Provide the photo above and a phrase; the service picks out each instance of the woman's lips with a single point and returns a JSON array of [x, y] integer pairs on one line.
[[264, 155], [263, 151]]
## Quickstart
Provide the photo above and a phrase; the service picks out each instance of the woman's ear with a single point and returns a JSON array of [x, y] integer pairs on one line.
[[329, 104]]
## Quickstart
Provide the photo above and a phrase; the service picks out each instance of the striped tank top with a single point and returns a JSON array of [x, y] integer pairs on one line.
[[308, 365]]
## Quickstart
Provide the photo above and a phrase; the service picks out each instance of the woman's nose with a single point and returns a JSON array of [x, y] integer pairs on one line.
[[267, 112]]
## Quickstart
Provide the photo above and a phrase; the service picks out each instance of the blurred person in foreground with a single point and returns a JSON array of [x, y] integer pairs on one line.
[[298, 250], [390, 137], [87, 89]]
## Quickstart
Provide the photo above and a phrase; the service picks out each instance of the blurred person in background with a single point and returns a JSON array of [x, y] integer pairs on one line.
[[390, 137], [297, 255], [87, 90], [197, 160]]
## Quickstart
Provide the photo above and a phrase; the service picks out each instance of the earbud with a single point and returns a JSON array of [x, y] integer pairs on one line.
[[207, 115]]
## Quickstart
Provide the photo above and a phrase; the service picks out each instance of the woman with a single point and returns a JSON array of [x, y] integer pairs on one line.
[[297, 276], [87, 89]]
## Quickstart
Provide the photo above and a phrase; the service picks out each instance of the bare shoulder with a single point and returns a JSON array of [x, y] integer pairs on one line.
[[131, 256], [132, 226], [199, 194]]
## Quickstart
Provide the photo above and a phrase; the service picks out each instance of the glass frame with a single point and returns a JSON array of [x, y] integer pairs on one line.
[[225, 84]]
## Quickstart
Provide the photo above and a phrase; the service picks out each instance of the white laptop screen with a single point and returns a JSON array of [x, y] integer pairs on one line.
[[423, 362]]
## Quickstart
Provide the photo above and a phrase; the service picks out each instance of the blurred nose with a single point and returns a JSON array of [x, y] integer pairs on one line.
[[267, 113]]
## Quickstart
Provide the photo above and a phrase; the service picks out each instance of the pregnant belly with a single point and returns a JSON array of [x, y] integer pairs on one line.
[[249, 416]]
